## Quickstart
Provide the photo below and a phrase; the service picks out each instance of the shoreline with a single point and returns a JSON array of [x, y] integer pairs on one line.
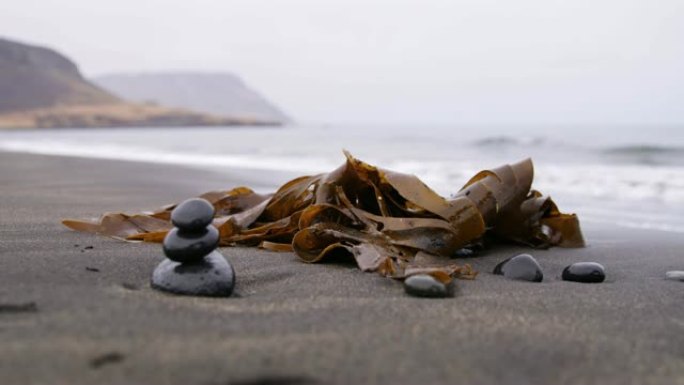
[[266, 175], [96, 319], [260, 179], [258, 126]]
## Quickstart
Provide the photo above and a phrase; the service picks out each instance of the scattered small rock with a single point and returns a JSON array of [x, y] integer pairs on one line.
[[93, 269], [424, 285], [279, 380], [521, 267], [464, 253], [107, 358], [88, 248], [22, 307], [130, 286], [586, 272], [675, 275]]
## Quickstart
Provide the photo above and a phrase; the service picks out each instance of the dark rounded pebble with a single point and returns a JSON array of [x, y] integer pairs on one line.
[[212, 277], [521, 267], [181, 246], [193, 214], [586, 272], [424, 285]]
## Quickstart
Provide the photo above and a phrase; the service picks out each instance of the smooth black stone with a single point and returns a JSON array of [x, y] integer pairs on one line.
[[213, 276], [424, 285], [587, 272], [522, 267], [193, 214], [181, 246]]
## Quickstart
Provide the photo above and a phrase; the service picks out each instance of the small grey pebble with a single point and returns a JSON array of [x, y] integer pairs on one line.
[[675, 275], [522, 267], [105, 359], [424, 285], [464, 253], [130, 286], [586, 272], [20, 307]]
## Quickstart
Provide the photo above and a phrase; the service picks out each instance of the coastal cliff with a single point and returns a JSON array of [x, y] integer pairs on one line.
[[36, 77], [41, 88]]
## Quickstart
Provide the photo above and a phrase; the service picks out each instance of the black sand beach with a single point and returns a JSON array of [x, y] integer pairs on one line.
[[78, 309]]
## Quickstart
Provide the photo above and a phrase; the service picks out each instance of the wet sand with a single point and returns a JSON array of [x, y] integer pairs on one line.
[[78, 309]]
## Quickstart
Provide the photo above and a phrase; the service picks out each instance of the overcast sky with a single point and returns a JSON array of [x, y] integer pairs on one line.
[[473, 61]]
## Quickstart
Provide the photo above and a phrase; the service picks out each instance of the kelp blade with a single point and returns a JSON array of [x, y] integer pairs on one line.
[[387, 222]]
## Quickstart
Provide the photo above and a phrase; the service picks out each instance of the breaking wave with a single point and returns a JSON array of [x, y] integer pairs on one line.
[[644, 181]]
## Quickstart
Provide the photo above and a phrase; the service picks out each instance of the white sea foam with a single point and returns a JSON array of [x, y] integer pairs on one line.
[[151, 155], [582, 179], [656, 226]]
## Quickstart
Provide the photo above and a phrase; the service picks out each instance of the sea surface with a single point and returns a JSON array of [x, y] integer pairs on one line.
[[628, 176]]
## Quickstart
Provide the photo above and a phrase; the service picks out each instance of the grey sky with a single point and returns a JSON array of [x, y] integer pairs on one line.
[[472, 61]]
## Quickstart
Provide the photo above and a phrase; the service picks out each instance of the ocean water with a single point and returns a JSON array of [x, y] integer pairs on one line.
[[628, 176]]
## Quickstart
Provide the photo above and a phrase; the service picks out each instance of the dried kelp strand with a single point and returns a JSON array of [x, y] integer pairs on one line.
[[387, 222]]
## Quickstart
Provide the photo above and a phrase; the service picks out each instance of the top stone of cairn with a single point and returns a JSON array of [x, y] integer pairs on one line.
[[193, 215]]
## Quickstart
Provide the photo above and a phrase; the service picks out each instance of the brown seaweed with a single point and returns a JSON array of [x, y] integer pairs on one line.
[[387, 222]]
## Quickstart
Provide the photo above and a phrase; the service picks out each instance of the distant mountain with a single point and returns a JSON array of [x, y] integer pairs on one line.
[[221, 94], [40, 87]]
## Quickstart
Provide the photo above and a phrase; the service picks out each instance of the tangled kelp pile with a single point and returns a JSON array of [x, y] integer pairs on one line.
[[388, 222]]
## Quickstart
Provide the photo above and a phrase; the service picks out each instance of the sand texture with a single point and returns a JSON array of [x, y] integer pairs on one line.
[[78, 309]]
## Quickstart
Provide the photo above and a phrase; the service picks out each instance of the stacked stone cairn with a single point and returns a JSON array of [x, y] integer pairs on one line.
[[193, 265]]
